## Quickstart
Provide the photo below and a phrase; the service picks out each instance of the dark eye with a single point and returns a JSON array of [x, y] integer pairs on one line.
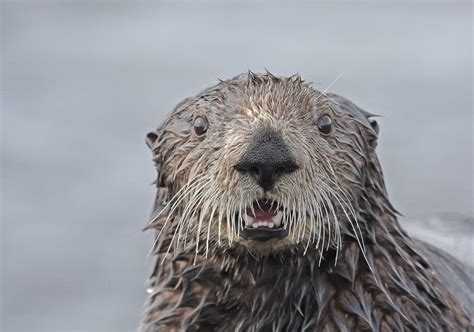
[[325, 124], [200, 125]]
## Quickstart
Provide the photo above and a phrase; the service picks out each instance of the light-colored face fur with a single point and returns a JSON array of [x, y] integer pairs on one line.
[[202, 198]]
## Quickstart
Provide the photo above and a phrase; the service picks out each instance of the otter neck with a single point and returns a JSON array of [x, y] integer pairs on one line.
[[386, 286], [294, 291]]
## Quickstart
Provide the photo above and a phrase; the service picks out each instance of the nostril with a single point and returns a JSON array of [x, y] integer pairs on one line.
[[252, 170], [291, 168], [255, 171], [279, 171], [286, 168], [241, 168]]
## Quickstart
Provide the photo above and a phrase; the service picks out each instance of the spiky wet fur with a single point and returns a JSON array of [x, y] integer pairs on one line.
[[346, 264]]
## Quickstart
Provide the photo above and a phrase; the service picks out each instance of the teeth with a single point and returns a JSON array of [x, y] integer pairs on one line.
[[247, 219], [277, 219], [274, 223]]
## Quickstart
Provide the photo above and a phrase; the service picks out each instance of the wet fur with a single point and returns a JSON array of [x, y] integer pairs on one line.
[[346, 265]]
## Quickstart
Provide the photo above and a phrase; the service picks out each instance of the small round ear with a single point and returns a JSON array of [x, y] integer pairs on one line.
[[373, 139], [375, 126], [151, 138]]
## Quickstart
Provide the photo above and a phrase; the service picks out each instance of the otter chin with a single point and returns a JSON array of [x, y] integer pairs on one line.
[[271, 214]]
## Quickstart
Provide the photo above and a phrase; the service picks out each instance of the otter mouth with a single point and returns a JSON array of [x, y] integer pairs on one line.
[[264, 221]]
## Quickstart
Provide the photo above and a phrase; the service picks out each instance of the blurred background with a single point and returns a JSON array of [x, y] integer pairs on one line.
[[83, 82]]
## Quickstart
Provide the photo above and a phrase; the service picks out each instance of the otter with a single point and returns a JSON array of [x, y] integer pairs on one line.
[[271, 214]]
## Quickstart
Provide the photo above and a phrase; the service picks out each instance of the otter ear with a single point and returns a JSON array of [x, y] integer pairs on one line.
[[151, 138], [375, 126], [373, 138]]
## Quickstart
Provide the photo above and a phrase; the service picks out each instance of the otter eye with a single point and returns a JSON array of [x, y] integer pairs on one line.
[[200, 125], [325, 124]]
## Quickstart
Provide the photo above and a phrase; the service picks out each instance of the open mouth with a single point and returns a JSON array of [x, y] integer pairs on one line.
[[264, 221]]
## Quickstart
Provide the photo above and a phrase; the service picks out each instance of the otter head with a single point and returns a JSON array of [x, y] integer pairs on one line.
[[262, 163]]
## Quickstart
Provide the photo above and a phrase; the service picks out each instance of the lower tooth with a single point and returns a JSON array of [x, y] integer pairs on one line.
[[277, 219], [247, 220]]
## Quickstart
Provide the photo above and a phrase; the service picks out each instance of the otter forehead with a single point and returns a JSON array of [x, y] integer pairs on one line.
[[251, 99], [260, 97]]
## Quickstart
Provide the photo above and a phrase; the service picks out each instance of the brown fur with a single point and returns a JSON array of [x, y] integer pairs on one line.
[[346, 264]]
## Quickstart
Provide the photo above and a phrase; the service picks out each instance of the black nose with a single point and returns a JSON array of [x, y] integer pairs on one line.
[[266, 159]]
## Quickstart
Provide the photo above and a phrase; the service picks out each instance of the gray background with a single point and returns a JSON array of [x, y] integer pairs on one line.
[[83, 82]]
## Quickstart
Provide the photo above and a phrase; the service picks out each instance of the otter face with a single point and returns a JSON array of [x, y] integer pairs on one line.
[[262, 163]]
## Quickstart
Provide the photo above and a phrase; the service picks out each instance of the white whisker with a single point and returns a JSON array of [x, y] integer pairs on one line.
[[329, 86]]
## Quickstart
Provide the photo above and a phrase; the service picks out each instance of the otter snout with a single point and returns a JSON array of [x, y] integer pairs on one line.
[[266, 159]]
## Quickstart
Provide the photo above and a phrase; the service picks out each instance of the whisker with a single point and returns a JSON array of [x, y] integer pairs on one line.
[[180, 193], [227, 210], [202, 215], [324, 229], [209, 229], [166, 223], [312, 226], [191, 207], [360, 241], [329, 86]]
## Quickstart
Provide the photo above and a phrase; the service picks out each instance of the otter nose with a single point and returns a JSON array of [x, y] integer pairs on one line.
[[266, 159]]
